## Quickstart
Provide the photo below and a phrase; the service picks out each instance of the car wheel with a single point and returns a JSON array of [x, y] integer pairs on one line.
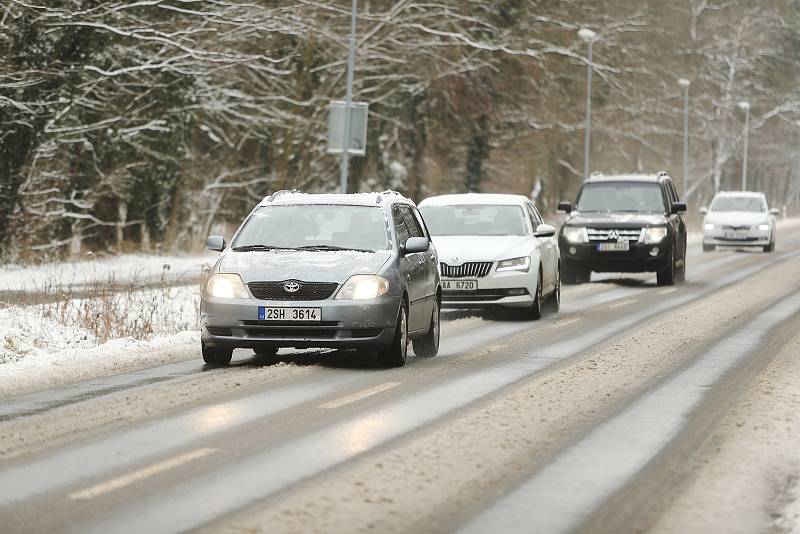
[[771, 246], [535, 310], [428, 345], [666, 277], [216, 355], [708, 248], [553, 303], [266, 351], [395, 355], [574, 275]]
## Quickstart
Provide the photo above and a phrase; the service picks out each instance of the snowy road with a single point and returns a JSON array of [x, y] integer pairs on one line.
[[596, 419]]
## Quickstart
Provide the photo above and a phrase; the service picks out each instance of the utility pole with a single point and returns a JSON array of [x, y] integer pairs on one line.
[[589, 36], [684, 83], [348, 112]]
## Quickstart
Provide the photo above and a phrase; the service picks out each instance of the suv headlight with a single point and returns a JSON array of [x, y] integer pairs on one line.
[[655, 234], [363, 286], [515, 264], [575, 234], [708, 226], [763, 227], [226, 286]]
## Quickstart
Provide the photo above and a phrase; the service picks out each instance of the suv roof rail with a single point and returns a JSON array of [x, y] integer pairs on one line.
[[276, 194]]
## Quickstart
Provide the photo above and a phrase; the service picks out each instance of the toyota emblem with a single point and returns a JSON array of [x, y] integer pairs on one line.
[[291, 287]]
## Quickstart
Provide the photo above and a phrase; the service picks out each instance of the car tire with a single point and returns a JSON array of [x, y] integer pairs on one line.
[[216, 355], [771, 246], [574, 276], [428, 345], [534, 312], [708, 248], [666, 277], [396, 354], [266, 351], [553, 302]]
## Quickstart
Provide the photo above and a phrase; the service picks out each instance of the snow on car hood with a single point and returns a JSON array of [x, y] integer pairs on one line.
[[737, 217], [481, 248], [308, 266]]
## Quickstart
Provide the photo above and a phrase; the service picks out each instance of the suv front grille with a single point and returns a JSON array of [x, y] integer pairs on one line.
[[614, 234], [735, 228], [306, 291], [478, 269]]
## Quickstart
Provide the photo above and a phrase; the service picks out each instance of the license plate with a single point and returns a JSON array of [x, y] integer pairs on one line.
[[735, 235], [289, 314], [459, 285], [621, 246]]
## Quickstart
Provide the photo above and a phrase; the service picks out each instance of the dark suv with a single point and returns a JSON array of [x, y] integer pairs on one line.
[[625, 223]]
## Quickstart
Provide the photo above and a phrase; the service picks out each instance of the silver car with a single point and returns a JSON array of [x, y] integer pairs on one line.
[[339, 271]]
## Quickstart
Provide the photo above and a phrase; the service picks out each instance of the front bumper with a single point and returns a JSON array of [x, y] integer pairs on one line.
[[506, 288], [750, 238], [640, 258], [234, 323]]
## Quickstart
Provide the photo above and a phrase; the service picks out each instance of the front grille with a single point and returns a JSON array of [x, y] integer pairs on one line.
[[481, 295], [306, 291], [291, 333], [736, 228], [608, 234], [477, 269]]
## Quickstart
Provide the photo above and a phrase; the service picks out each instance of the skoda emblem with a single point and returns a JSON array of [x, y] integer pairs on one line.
[[291, 287], [455, 259]]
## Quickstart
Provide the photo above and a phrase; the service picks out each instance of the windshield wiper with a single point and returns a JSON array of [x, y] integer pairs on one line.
[[331, 248], [251, 248]]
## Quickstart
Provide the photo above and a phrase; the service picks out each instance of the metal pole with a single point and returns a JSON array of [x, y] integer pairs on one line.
[[686, 142], [587, 138], [348, 112], [746, 135]]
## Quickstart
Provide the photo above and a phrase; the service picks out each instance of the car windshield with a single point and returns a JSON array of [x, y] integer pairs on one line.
[[621, 197], [315, 227], [474, 220], [753, 204]]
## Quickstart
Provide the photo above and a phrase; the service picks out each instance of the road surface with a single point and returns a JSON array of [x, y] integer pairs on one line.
[[637, 408]]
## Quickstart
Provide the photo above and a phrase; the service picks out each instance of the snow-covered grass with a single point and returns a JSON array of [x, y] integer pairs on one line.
[[107, 327], [123, 268]]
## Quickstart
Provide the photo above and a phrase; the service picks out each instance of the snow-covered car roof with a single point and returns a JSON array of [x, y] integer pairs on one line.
[[473, 198], [286, 198], [624, 178], [748, 194]]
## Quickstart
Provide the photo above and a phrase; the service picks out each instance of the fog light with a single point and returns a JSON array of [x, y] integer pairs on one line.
[[573, 250], [654, 251], [516, 291]]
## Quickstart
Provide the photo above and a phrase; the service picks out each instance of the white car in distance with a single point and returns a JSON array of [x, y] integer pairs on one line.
[[494, 250], [739, 219]]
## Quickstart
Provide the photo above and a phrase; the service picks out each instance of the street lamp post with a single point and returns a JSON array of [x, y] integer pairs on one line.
[[589, 36], [746, 107], [684, 83], [348, 110]]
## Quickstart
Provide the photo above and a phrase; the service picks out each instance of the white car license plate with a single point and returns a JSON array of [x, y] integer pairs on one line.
[[621, 246], [459, 285], [735, 235], [290, 314]]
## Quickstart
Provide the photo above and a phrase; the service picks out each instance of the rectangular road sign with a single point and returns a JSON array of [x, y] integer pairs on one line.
[[358, 129]]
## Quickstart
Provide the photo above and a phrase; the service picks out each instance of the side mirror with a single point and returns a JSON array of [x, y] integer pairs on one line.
[[564, 207], [544, 230], [416, 244], [215, 243], [679, 207], [704, 210], [775, 211]]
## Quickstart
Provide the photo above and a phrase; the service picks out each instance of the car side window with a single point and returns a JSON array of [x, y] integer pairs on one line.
[[400, 226], [533, 216], [414, 228], [420, 221]]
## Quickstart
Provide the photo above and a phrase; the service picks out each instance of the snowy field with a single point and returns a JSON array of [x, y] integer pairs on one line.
[[122, 268]]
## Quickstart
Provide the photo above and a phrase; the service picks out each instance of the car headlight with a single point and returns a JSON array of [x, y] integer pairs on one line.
[[515, 264], [655, 234], [226, 286], [574, 234], [708, 226], [763, 227], [363, 286]]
